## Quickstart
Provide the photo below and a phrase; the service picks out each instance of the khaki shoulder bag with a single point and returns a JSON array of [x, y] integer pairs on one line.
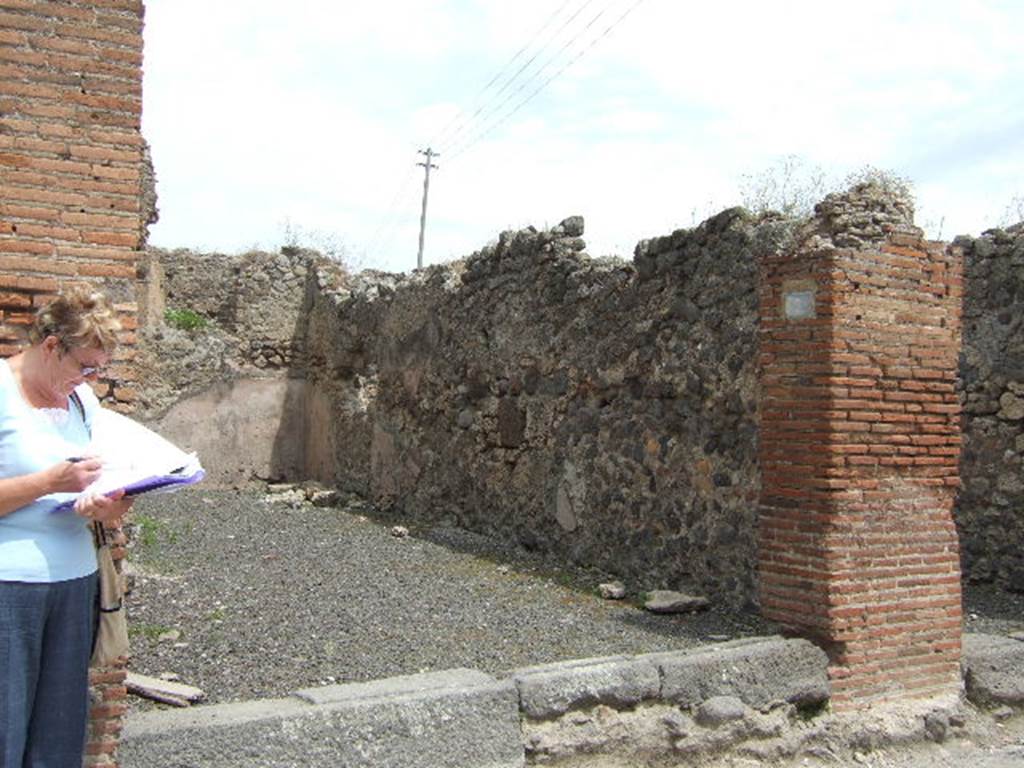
[[110, 640]]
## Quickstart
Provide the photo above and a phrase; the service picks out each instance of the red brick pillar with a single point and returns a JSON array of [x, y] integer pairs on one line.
[[71, 164], [859, 451], [71, 176]]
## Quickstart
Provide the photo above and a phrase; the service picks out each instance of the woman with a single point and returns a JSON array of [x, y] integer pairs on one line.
[[47, 558]]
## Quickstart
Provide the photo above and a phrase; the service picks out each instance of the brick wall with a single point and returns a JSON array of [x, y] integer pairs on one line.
[[70, 161], [70, 174], [859, 449]]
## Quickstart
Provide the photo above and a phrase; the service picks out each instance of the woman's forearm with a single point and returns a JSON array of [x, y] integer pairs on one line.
[[17, 492]]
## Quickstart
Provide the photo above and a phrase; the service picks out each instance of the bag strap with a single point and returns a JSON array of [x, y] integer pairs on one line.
[[99, 534], [99, 531], [74, 398]]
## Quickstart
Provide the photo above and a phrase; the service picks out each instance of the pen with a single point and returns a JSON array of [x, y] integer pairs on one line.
[[75, 459]]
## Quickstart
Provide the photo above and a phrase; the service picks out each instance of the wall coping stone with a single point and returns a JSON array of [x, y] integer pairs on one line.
[[452, 719], [463, 717]]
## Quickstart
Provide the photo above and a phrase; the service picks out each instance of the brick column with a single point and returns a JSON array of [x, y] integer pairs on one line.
[[71, 174], [71, 164], [859, 450]]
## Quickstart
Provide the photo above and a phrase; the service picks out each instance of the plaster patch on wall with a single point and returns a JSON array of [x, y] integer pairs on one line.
[[364, 394], [569, 498]]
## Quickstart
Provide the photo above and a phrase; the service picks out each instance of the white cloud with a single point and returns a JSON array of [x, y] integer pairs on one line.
[[315, 110]]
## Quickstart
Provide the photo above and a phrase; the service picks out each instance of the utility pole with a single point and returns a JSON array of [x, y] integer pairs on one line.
[[429, 153]]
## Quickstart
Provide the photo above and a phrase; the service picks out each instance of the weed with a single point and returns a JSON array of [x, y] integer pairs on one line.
[[184, 319], [148, 528], [151, 531]]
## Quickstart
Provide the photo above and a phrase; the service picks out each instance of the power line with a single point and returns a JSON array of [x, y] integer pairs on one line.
[[451, 141], [456, 151], [384, 224], [388, 227], [462, 116]]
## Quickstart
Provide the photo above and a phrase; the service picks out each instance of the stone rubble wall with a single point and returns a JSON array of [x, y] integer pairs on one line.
[[602, 410], [990, 509], [255, 307]]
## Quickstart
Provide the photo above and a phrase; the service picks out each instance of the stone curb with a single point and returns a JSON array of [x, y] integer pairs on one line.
[[462, 718], [451, 719], [762, 673], [551, 690]]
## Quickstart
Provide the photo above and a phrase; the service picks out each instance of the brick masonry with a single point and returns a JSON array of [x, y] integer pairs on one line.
[[71, 169], [859, 452]]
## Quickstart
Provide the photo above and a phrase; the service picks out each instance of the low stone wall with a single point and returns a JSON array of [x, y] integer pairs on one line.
[[990, 508], [762, 700], [758, 691], [603, 410]]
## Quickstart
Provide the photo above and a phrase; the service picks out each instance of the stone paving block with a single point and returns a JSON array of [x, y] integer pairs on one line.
[[551, 690], [762, 673], [453, 719]]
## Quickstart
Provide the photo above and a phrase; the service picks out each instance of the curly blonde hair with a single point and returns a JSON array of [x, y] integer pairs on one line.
[[81, 317]]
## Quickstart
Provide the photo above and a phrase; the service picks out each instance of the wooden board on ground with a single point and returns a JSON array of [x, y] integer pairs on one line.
[[164, 691]]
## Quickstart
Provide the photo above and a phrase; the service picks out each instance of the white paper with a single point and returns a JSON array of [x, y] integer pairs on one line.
[[135, 458]]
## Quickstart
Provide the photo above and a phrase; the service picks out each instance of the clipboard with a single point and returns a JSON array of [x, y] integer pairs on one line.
[[135, 459]]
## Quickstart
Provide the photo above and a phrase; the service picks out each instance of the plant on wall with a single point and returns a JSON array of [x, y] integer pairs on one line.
[[1014, 213], [184, 319], [792, 186]]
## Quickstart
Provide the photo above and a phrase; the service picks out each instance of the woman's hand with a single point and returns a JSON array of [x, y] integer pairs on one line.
[[102, 508], [75, 476]]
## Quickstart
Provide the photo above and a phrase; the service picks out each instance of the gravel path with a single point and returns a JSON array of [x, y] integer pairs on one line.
[[248, 598]]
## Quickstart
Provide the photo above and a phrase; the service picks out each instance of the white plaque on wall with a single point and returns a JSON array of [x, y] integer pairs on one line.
[[798, 305]]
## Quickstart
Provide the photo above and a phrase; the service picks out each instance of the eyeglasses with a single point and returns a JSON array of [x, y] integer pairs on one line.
[[85, 370]]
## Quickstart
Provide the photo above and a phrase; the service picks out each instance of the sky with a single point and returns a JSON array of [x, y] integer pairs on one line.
[[301, 123]]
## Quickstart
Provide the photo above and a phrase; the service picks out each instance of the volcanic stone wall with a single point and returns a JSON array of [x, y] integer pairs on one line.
[[598, 409], [990, 510], [252, 310]]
